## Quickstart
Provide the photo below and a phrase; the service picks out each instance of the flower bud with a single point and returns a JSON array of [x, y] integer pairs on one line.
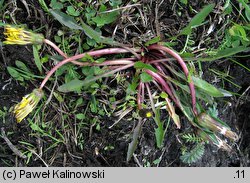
[[207, 122], [214, 139]]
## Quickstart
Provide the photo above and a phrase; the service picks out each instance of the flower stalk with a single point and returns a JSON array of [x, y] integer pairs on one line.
[[184, 68], [107, 51]]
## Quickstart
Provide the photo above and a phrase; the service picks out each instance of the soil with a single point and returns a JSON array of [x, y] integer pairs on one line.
[[234, 110]]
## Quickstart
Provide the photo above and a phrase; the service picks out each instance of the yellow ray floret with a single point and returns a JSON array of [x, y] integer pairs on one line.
[[27, 105], [20, 36]]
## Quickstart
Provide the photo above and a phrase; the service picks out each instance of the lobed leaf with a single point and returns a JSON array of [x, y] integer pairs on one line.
[[194, 155]]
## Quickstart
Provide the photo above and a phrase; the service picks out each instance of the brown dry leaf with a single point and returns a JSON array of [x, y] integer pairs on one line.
[[173, 115]]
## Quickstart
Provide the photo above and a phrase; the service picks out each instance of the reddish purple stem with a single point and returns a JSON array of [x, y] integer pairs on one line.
[[76, 57], [184, 68], [164, 85], [140, 94]]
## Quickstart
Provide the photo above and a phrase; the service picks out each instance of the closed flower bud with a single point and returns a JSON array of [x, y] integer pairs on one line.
[[231, 135], [223, 145], [214, 139], [207, 122]]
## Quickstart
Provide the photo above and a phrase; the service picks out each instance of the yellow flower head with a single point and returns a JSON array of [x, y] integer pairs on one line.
[[19, 36], [28, 103], [145, 113]]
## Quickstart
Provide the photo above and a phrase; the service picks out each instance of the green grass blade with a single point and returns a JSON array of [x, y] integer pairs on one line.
[[225, 53], [37, 58], [198, 19], [44, 5]]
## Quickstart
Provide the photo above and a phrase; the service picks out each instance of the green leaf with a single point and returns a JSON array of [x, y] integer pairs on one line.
[[72, 24], [184, 1], [74, 85], [92, 34], [97, 70], [79, 102], [88, 71], [225, 92], [93, 104], [159, 135], [206, 87], [198, 19], [71, 11], [115, 3], [98, 127], [44, 5], [56, 5], [239, 31], [164, 95], [22, 66], [230, 51], [58, 97], [15, 74], [225, 53], [159, 131], [37, 57], [133, 144], [153, 41], [36, 128], [131, 89], [157, 161], [247, 13], [80, 116], [89, 13], [141, 65], [228, 10], [192, 138], [145, 77], [201, 84], [199, 94], [194, 155], [65, 19], [103, 17], [247, 8]]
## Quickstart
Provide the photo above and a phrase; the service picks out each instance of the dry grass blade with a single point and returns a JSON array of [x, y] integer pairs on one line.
[[11, 146]]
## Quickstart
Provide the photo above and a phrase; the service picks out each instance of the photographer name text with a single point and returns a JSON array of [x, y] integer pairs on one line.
[[52, 173]]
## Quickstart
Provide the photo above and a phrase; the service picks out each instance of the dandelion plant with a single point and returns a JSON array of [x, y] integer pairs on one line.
[[165, 71]]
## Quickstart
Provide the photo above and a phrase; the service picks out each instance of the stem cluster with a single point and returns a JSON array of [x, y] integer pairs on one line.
[[156, 55]]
